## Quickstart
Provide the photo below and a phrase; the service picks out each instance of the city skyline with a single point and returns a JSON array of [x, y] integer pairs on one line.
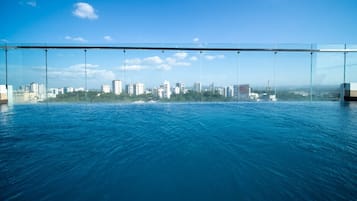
[[151, 67], [38, 92]]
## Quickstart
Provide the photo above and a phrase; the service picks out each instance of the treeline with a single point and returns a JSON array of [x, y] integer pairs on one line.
[[92, 96], [190, 96]]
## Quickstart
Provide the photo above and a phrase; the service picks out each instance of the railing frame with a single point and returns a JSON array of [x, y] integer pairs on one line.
[[165, 48]]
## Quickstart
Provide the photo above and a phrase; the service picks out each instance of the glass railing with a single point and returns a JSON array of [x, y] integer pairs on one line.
[[33, 73]]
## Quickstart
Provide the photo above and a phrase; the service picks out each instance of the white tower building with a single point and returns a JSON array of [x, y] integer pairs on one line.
[[138, 89], [197, 87], [167, 89], [105, 88], [117, 87], [129, 89]]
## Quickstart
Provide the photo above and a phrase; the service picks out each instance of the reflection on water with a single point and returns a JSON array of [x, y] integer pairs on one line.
[[350, 104], [4, 107], [4, 114]]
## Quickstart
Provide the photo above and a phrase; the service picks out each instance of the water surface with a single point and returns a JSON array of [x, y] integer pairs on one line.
[[203, 151]]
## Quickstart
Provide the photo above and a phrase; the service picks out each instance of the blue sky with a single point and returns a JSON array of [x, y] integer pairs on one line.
[[186, 21], [180, 21]]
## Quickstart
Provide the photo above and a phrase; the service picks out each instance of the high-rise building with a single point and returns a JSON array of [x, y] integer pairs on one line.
[[138, 89], [3, 94], [78, 89], [52, 92], [229, 91], [220, 91], [129, 89], [176, 90], [160, 92], [34, 87], [117, 87], [167, 89], [236, 90], [68, 90], [60, 90], [244, 91], [41, 92], [197, 87], [181, 86], [241, 91], [105, 88], [38, 91], [211, 87]]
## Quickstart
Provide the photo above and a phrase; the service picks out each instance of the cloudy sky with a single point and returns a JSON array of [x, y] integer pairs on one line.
[[192, 22]]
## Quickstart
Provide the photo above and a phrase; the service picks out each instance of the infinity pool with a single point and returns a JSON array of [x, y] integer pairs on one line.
[[193, 151]]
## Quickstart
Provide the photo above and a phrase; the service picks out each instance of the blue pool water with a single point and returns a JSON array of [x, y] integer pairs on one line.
[[213, 151]]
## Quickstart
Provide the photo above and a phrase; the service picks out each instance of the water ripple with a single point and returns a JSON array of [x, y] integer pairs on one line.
[[195, 151]]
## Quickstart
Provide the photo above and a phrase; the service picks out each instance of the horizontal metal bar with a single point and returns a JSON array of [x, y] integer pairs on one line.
[[175, 48]]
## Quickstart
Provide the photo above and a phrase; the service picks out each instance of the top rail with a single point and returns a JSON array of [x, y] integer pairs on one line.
[[177, 48]]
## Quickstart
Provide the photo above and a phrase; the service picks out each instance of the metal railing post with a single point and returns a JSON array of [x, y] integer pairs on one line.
[[6, 72], [311, 66], [344, 65], [46, 75]]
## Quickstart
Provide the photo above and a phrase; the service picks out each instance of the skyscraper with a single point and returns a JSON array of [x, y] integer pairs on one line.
[[34, 87], [129, 89], [117, 87], [197, 87], [105, 88], [167, 89], [229, 91], [138, 89], [181, 86]]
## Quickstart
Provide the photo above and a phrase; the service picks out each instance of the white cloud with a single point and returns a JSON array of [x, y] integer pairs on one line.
[[78, 70], [182, 64], [181, 55], [193, 58], [84, 10], [134, 61], [210, 57], [108, 38], [83, 66], [164, 67], [76, 39], [170, 60], [132, 67], [28, 3], [32, 3], [213, 57], [195, 40], [154, 60]]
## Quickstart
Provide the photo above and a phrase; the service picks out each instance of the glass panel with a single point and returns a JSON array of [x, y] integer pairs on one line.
[[105, 77], [177, 71], [143, 73], [211, 78], [328, 73], [2, 67], [3, 91], [66, 75], [257, 73], [26, 75], [292, 76], [351, 65]]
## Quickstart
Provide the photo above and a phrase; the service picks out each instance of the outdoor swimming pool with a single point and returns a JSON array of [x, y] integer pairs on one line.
[[183, 151]]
